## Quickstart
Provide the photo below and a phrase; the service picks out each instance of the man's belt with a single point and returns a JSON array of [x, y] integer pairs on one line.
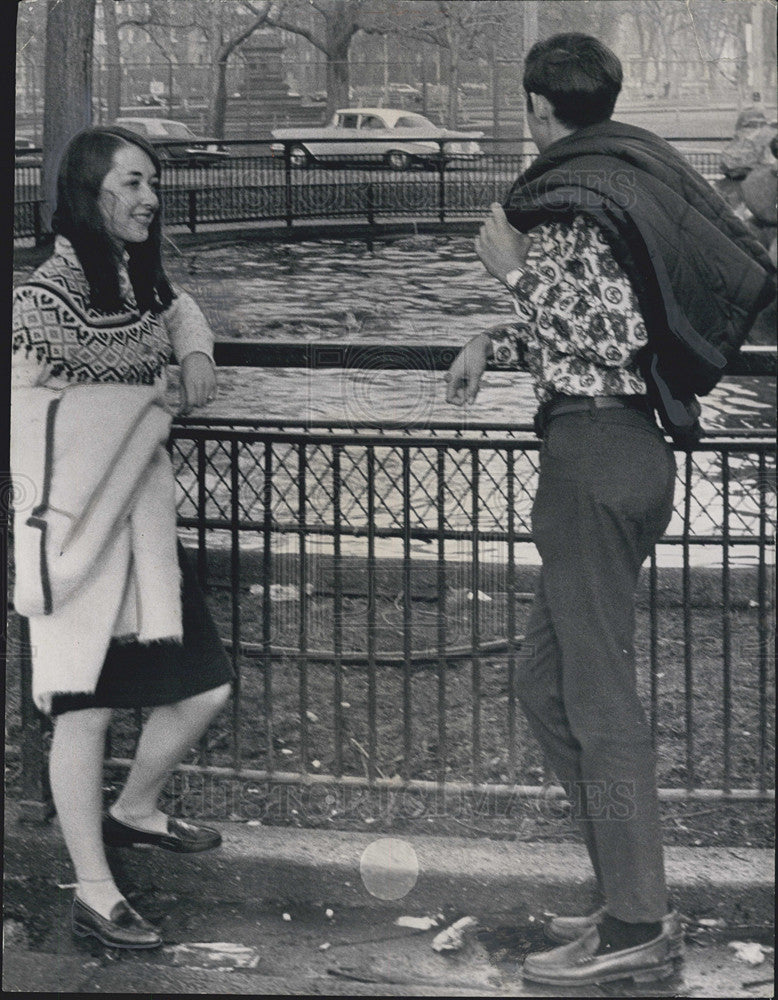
[[587, 404]]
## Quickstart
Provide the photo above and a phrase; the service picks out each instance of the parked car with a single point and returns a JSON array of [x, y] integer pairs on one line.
[[158, 100], [26, 153], [405, 139], [402, 94], [176, 141], [405, 92]]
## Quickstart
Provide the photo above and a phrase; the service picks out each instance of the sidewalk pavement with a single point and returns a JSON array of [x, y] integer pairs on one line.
[[237, 897]]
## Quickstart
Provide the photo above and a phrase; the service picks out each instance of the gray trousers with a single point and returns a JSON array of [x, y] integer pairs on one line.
[[604, 498]]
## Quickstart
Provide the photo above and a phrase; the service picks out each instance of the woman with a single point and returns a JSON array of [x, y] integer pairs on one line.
[[94, 329]]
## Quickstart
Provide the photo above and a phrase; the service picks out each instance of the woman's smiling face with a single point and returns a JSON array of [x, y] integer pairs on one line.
[[128, 195]]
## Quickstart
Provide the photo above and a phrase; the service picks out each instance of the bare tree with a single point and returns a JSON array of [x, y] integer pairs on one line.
[[661, 27], [336, 22], [159, 20], [715, 28], [226, 44], [224, 24], [67, 87], [462, 29]]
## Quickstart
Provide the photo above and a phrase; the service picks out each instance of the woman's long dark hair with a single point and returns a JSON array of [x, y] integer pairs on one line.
[[85, 162]]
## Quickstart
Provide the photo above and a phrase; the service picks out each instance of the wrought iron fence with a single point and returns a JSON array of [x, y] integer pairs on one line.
[[372, 583], [253, 185]]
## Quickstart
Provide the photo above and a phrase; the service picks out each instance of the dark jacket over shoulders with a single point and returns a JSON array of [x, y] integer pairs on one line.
[[700, 277]]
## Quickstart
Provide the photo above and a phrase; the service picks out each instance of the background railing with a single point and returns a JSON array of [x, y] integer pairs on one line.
[[253, 185], [372, 584]]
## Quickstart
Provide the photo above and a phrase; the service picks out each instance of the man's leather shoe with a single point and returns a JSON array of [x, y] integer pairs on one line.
[[124, 929], [181, 837], [564, 929], [578, 964]]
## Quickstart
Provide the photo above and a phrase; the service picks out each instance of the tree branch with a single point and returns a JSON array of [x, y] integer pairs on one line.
[[229, 47], [147, 26], [294, 29]]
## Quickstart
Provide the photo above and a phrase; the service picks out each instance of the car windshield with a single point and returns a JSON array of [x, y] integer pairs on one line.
[[413, 121], [176, 130]]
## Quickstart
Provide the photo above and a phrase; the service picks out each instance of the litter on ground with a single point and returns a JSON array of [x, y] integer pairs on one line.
[[453, 937], [748, 951], [420, 923]]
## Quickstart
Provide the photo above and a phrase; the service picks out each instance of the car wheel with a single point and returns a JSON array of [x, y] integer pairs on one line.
[[298, 156], [396, 159]]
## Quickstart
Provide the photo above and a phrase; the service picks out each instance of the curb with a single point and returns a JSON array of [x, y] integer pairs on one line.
[[322, 868]]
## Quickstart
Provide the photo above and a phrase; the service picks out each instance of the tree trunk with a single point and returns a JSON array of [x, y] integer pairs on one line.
[[67, 87], [452, 111], [529, 35], [216, 44], [337, 84], [217, 110], [741, 66], [217, 98], [339, 30], [757, 53], [642, 50], [386, 70], [113, 79]]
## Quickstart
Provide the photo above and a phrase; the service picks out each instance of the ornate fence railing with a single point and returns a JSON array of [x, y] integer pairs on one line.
[[372, 584], [253, 185]]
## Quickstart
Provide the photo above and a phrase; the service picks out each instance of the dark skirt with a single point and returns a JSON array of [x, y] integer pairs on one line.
[[136, 675]]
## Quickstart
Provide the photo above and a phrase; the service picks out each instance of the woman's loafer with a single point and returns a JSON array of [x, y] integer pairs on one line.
[[181, 837], [578, 964], [124, 929]]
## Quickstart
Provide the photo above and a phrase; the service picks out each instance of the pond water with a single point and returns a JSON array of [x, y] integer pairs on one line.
[[415, 290]]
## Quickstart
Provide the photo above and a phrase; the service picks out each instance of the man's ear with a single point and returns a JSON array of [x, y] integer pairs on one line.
[[542, 107]]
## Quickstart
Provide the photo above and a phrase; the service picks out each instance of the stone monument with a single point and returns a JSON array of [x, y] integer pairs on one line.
[[265, 79]]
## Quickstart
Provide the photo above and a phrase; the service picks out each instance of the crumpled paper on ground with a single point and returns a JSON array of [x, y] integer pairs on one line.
[[210, 954], [453, 937], [420, 923], [748, 951]]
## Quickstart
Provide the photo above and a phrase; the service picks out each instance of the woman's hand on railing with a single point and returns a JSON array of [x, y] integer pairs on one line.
[[198, 381], [464, 375]]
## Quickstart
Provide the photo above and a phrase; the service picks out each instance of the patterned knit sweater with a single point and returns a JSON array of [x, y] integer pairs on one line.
[[59, 339], [87, 372]]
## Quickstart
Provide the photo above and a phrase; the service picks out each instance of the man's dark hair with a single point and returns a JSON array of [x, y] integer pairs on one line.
[[579, 75], [85, 162]]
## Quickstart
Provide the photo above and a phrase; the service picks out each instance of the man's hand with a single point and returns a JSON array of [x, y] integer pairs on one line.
[[464, 375], [500, 247], [198, 381]]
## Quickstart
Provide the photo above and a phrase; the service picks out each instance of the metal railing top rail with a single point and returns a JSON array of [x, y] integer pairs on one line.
[[751, 360], [386, 428], [393, 437]]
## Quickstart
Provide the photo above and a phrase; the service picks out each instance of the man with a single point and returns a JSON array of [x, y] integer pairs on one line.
[[613, 249]]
